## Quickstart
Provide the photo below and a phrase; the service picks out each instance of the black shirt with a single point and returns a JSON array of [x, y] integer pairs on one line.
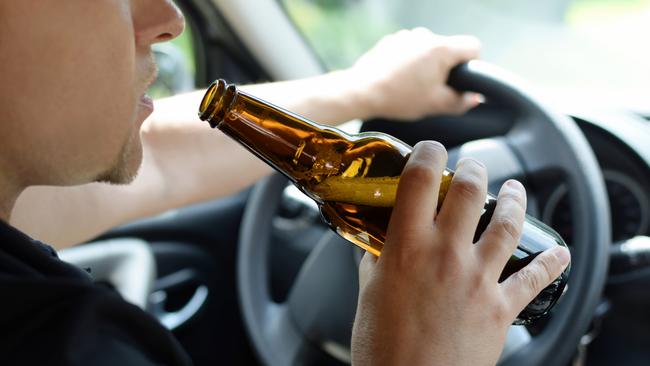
[[51, 313]]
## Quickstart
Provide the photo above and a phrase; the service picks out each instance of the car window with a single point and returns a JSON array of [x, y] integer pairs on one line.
[[579, 47]]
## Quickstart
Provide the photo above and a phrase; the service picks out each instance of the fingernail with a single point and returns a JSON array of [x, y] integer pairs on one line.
[[515, 184], [470, 161], [562, 255], [427, 150], [473, 99]]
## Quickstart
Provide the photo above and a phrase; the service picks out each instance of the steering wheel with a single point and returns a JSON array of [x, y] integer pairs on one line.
[[319, 310]]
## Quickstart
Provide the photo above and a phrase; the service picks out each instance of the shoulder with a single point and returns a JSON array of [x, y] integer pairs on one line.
[[61, 321]]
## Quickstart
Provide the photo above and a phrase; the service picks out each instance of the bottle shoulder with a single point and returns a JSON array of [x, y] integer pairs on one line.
[[398, 144]]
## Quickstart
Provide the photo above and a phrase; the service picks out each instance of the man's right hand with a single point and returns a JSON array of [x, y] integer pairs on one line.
[[433, 297]]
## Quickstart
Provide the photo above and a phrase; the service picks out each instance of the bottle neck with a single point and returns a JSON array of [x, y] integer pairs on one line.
[[302, 150]]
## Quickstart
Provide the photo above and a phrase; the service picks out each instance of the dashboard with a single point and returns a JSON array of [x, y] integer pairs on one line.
[[627, 180]]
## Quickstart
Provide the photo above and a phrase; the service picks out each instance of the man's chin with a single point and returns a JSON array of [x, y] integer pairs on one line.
[[125, 170], [119, 175]]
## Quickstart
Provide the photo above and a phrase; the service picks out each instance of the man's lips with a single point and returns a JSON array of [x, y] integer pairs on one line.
[[146, 105], [146, 101]]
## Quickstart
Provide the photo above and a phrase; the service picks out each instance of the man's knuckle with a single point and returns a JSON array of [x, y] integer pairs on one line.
[[530, 280], [473, 40], [514, 197], [508, 227], [468, 186], [548, 265], [419, 172], [441, 51], [473, 168], [422, 30], [466, 41], [401, 32]]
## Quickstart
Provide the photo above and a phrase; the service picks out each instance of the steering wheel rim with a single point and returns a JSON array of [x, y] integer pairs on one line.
[[282, 334]]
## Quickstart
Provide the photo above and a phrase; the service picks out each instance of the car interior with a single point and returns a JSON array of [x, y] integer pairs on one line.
[[257, 278]]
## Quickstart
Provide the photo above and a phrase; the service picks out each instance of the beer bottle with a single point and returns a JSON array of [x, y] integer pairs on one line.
[[352, 178]]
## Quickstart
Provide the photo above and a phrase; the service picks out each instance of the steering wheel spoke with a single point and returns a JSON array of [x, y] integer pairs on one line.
[[323, 298], [539, 149], [280, 332], [497, 156]]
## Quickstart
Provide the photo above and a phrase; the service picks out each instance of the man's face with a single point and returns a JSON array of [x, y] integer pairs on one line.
[[72, 78]]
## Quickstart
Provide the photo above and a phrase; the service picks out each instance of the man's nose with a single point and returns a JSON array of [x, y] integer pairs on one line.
[[157, 21]]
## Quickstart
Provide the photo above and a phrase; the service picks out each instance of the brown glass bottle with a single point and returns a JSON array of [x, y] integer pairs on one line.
[[353, 178]]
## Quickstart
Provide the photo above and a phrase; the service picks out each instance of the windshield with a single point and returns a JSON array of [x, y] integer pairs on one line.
[[594, 50]]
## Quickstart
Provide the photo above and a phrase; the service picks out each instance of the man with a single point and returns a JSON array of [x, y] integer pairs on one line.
[[74, 73]]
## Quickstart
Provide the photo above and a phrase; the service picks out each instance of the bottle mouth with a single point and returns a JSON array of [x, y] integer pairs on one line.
[[214, 103], [208, 101]]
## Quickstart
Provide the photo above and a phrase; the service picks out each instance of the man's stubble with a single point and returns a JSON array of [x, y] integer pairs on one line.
[[125, 169]]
